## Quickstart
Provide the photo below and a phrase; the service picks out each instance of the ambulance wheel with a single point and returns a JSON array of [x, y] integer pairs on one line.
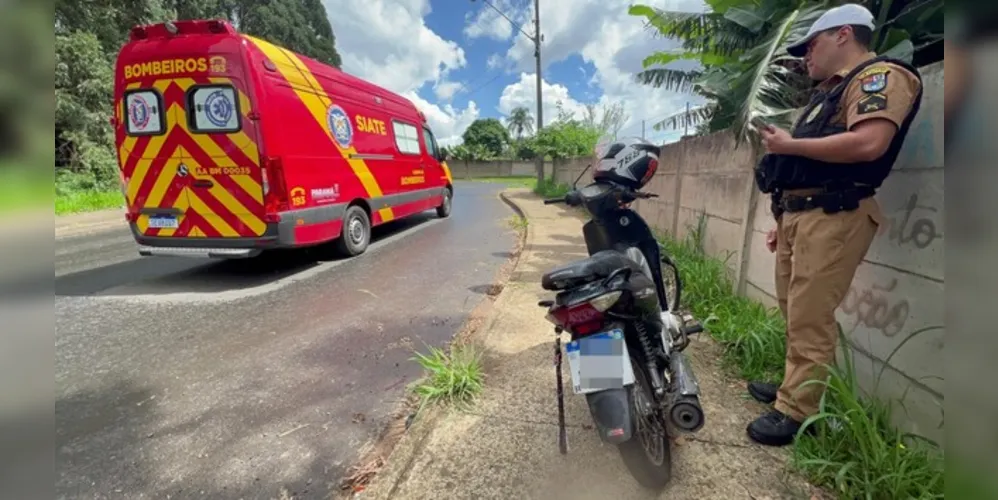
[[444, 209], [356, 232]]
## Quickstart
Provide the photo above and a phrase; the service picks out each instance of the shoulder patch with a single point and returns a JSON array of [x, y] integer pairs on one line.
[[880, 69], [871, 103], [874, 83]]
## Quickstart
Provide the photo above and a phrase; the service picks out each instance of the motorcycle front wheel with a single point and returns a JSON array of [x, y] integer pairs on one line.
[[646, 455]]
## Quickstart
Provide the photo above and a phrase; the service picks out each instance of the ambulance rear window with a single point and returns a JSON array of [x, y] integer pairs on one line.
[[213, 109], [143, 112]]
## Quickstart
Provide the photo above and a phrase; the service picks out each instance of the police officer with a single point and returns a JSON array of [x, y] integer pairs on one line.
[[822, 178]]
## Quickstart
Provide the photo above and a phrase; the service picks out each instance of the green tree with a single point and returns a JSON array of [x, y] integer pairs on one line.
[[567, 137], [745, 69], [520, 122], [488, 134]]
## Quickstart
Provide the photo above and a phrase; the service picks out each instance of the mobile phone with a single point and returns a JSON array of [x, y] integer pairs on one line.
[[760, 123]]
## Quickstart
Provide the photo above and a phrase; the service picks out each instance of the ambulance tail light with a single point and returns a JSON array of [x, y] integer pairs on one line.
[[275, 191]]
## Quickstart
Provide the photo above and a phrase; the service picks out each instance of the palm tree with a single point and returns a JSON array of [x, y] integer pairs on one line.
[[745, 69], [520, 122]]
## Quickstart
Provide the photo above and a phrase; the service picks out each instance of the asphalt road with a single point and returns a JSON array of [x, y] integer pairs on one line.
[[180, 378]]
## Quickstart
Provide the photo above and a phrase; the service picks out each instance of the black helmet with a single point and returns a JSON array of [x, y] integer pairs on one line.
[[630, 161]]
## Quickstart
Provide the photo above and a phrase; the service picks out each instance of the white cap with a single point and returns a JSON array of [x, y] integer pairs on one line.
[[848, 14]]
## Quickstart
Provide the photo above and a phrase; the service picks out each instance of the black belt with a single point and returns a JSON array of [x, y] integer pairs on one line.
[[829, 201]]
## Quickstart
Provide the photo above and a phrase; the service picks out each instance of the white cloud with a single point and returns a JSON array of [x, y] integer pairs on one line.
[[524, 93], [369, 38], [446, 122], [446, 90], [495, 61], [615, 42], [387, 43], [486, 22]]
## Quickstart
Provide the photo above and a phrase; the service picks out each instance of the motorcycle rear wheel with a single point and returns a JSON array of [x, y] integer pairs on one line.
[[647, 454]]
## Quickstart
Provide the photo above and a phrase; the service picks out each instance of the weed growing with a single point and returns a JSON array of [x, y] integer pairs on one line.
[[549, 188], [517, 222], [857, 451], [453, 379], [752, 336]]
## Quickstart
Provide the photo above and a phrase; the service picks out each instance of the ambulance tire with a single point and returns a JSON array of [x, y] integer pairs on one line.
[[443, 211], [356, 232]]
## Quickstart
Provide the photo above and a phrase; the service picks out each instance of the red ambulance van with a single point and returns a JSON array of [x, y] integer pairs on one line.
[[229, 145]]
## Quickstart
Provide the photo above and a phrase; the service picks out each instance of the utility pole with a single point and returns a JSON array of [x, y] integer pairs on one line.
[[642, 130], [537, 38], [540, 113]]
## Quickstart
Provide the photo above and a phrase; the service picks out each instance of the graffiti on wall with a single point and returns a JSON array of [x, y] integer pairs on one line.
[[875, 307], [912, 225]]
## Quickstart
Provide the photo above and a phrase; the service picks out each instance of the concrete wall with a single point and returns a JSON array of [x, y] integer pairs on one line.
[[899, 288], [467, 169]]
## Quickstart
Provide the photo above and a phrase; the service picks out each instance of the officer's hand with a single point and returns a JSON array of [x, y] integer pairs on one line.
[[775, 139], [771, 240]]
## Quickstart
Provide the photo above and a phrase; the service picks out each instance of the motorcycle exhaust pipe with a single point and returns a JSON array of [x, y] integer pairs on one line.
[[685, 413]]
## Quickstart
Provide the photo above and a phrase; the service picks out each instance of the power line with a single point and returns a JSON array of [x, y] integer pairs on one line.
[[482, 86], [511, 22]]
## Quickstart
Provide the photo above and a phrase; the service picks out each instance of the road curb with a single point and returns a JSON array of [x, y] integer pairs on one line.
[[399, 462]]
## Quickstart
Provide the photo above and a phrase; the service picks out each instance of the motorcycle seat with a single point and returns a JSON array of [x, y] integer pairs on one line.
[[595, 267]]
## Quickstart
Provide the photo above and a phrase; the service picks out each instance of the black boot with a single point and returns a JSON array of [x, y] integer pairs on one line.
[[763, 392], [774, 429]]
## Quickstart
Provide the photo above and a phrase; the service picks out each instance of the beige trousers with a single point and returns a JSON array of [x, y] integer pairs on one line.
[[816, 258]]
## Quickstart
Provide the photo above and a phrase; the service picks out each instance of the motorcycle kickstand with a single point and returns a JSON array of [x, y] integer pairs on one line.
[[562, 433]]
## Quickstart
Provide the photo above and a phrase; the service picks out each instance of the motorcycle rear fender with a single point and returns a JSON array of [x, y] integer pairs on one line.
[[611, 412]]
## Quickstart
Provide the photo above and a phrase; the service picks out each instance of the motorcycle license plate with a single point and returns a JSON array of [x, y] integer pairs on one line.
[[599, 362]]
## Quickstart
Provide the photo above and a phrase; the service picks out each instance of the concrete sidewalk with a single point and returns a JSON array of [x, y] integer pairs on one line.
[[506, 446]]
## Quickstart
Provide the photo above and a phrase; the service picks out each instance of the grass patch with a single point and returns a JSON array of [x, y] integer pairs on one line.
[[549, 188], [87, 201], [452, 379], [528, 181], [856, 452], [517, 222], [753, 336]]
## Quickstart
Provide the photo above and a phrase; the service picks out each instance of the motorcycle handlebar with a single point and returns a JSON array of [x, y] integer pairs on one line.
[[565, 199]]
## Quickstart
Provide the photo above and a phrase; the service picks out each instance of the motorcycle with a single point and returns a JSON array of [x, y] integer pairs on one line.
[[626, 339]]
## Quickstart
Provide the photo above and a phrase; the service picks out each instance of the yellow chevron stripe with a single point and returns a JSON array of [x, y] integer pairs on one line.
[[165, 178], [252, 188], [142, 166], [318, 101], [447, 172], [232, 204], [211, 217]]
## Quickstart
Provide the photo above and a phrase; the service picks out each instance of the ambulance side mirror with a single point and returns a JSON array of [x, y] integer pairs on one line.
[[442, 154]]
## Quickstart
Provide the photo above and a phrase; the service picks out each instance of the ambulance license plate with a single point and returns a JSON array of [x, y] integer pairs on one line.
[[163, 222]]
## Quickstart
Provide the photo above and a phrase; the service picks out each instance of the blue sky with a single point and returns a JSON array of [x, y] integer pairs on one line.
[[458, 60]]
